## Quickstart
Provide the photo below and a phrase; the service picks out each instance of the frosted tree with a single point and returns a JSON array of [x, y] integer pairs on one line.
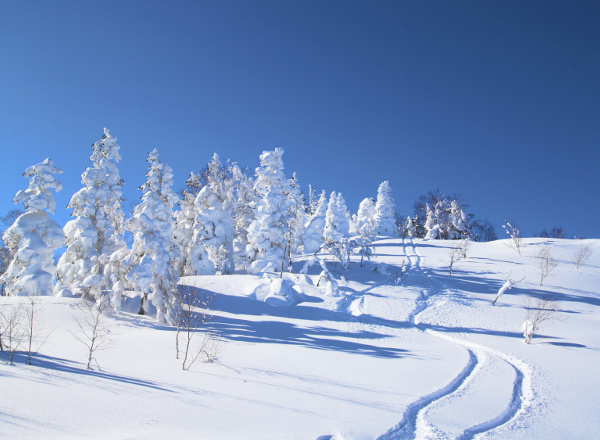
[[243, 214], [432, 229], [185, 219], [33, 236], [296, 219], [411, 227], [266, 234], [365, 228], [313, 236], [313, 199], [96, 232], [385, 217], [214, 228], [337, 228], [155, 253], [457, 222]]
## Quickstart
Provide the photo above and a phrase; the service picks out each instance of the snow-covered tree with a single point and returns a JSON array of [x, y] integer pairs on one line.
[[365, 228], [185, 219], [432, 229], [155, 253], [213, 228], [33, 236], [457, 224], [411, 227], [266, 234], [243, 214], [313, 236], [296, 218], [337, 228], [96, 232], [385, 217]]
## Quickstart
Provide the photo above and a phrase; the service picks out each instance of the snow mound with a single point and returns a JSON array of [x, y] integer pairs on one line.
[[280, 292]]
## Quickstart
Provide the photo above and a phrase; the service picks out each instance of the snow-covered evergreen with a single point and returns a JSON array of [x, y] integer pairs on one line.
[[33, 236], [337, 228], [266, 234], [313, 236], [96, 232], [432, 229], [457, 224], [185, 219], [155, 253], [385, 216], [410, 226], [296, 218], [365, 228], [213, 228], [243, 214]]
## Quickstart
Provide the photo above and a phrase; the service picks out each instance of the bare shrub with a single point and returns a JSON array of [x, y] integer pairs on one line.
[[582, 254], [11, 327], [457, 250], [547, 263], [93, 332], [516, 241], [537, 314], [192, 341], [35, 331]]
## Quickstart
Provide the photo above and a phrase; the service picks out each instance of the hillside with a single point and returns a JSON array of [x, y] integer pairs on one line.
[[404, 351]]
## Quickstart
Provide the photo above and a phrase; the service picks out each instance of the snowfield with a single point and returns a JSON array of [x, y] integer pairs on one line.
[[405, 351]]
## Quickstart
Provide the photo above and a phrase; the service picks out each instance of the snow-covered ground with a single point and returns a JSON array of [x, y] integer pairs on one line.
[[427, 357]]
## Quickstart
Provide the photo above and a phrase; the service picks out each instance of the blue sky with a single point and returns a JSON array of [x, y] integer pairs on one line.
[[498, 100]]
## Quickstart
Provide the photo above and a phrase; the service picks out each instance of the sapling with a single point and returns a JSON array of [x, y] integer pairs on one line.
[[454, 254], [35, 332], [544, 310], [11, 327], [582, 254], [92, 331], [515, 242], [191, 318], [547, 263], [508, 283]]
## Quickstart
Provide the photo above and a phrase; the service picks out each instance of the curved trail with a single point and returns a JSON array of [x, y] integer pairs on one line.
[[414, 424]]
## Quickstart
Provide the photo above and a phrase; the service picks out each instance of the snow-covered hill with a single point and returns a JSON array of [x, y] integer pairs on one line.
[[405, 351]]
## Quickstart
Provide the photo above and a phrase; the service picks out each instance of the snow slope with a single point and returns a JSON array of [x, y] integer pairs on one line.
[[407, 353]]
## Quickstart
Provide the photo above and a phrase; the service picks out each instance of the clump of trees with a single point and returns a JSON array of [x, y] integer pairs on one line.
[[443, 217]]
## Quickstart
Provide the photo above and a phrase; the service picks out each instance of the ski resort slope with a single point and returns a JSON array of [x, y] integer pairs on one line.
[[405, 351]]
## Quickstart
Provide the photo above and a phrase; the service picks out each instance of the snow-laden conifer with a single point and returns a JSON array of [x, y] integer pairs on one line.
[[296, 218], [266, 234], [213, 227], [410, 227], [155, 253], [457, 222], [337, 228], [243, 214], [33, 236], [313, 236], [365, 228], [185, 218], [385, 217], [96, 232], [432, 229]]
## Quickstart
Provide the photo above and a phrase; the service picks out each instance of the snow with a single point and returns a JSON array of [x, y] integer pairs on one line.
[[428, 357]]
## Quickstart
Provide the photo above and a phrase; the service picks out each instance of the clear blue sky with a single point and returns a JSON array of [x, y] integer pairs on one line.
[[498, 100]]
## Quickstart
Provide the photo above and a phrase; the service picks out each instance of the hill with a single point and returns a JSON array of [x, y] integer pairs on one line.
[[404, 350]]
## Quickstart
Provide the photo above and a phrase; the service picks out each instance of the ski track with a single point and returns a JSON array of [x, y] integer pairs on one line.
[[414, 424]]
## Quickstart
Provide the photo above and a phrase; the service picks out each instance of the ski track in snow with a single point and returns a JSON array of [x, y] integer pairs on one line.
[[414, 424]]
